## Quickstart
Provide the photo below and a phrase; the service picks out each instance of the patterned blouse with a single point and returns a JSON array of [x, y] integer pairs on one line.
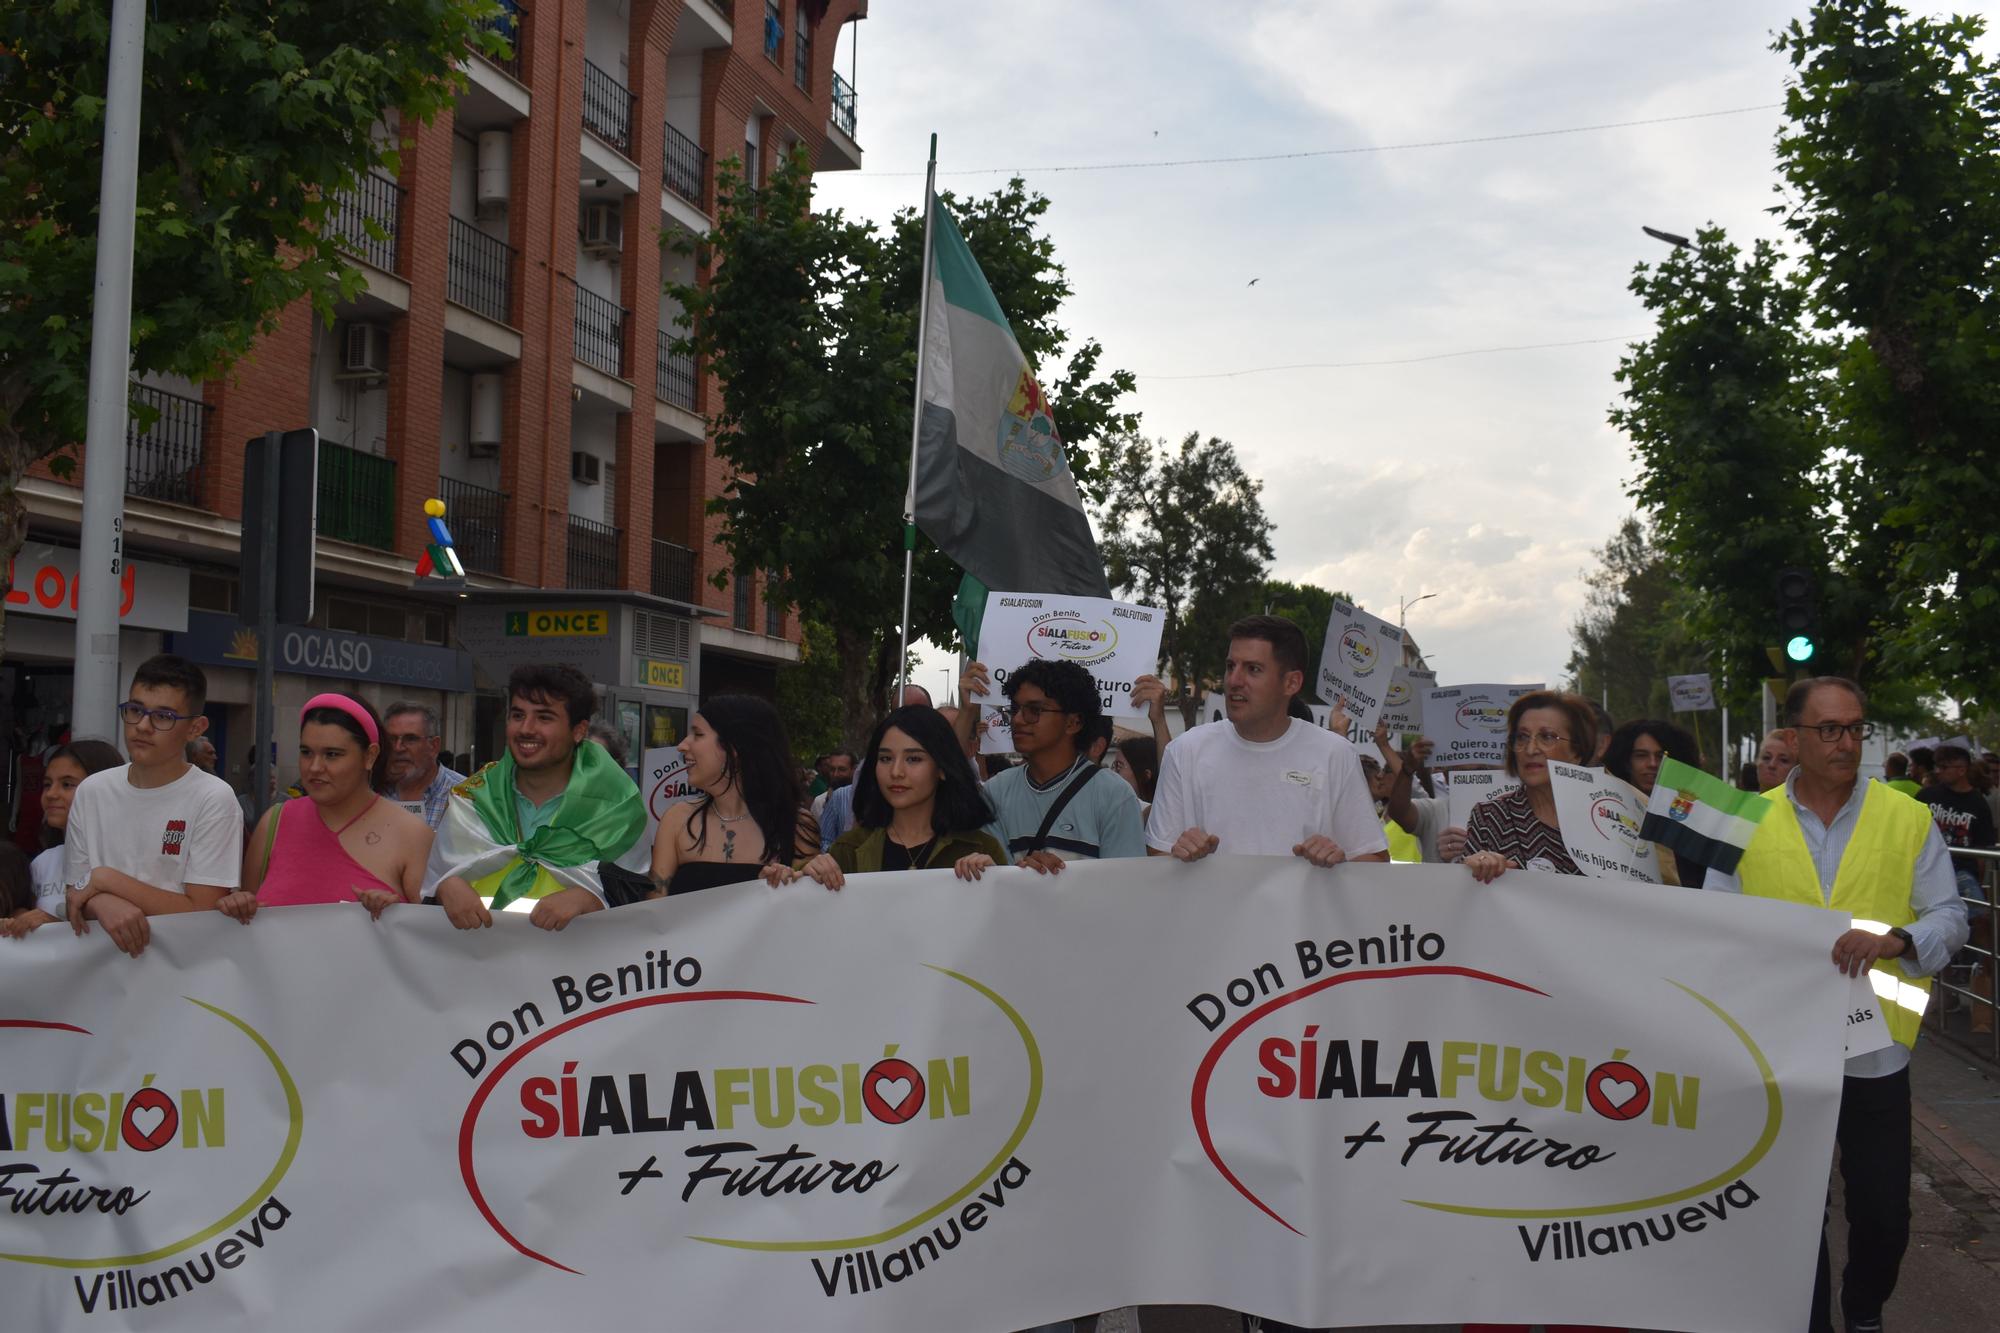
[[1507, 824]]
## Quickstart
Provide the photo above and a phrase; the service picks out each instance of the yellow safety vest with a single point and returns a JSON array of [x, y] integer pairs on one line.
[[1402, 846], [1873, 884]]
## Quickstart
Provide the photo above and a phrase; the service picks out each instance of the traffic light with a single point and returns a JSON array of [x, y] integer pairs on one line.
[[1798, 621]]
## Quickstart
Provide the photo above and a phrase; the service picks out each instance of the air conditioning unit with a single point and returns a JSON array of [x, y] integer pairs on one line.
[[586, 468], [603, 229], [365, 350], [486, 417]]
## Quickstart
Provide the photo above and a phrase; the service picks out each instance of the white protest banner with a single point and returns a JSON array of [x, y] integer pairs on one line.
[[1362, 652], [1599, 816], [1468, 723], [995, 729], [1469, 786], [1117, 642], [663, 782], [1372, 1094], [1403, 705], [1691, 694]]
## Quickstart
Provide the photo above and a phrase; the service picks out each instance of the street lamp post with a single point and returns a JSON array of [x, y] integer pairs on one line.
[[1403, 607]]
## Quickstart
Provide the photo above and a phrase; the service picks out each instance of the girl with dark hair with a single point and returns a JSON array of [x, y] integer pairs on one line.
[[65, 769], [747, 815], [343, 843], [917, 806], [1636, 752], [1137, 760]]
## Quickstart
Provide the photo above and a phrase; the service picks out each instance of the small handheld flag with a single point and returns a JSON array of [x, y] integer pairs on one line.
[[1700, 817]]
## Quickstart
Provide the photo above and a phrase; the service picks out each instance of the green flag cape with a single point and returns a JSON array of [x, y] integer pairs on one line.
[[602, 815]]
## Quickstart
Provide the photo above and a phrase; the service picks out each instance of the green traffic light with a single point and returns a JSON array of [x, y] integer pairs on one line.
[[1800, 649]]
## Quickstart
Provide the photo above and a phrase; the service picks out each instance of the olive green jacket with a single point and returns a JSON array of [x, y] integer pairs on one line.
[[859, 850]]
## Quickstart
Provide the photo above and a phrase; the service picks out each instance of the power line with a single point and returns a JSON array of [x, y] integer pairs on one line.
[[1394, 361], [1344, 152]]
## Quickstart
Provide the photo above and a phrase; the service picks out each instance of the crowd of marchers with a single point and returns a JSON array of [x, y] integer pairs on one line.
[[557, 827]]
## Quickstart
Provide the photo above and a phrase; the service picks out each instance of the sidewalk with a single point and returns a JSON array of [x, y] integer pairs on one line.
[[1951, 1277]]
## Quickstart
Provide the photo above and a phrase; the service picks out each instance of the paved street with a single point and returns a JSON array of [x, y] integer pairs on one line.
[[1951, 1278]]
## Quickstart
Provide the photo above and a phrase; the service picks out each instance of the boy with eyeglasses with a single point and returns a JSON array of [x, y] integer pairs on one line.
[[157, 835], [1058, 805]]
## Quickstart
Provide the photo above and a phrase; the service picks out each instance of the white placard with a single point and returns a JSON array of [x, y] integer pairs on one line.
[[1691, 694], [663, 782], [1468, 723], [1866, 1028], [1469, 786], [1117, 642], [1600, 816], [1030, 1116], [1403, 706], [1361, 654]]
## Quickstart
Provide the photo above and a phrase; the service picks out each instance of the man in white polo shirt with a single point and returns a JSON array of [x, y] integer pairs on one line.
[[1260, 782]]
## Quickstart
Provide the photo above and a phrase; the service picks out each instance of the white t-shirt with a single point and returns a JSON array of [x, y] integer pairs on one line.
[[1262, 798], [187, 832], [47, 874]]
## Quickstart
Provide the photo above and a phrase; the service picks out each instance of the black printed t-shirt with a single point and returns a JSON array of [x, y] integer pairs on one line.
[[1963, 818]]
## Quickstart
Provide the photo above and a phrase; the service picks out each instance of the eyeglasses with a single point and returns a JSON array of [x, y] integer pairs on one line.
[[1547, 740], [1830, 732], [163, 719], [1032, 713]]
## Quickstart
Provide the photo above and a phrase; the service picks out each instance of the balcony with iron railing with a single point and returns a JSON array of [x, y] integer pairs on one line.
[[673, 378], [686, 167], [477, 518], [593, 554], [367, 221], [163, 462], [510, 23], [357, 497], [600, 332], [479, 272], [843, 106], [673, 571], [607, 108]]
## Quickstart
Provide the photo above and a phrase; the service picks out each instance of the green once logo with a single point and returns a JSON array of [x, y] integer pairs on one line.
[[89, 1132]]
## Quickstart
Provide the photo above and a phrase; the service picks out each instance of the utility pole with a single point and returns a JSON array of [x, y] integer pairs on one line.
[[100, 561]]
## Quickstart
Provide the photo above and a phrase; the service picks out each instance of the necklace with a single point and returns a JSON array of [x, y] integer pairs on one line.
[[731, 819], [919, 853]]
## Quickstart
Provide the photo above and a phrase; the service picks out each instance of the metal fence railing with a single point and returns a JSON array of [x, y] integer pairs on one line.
[[1962, 1008], [600, 332], [357, 497], [673, 377], [164, 462], [593, 554], [477, 518], [508, 23], [686, 166], [673, 571], [479, 272], [375, 199], [843, 106], [607, 108]]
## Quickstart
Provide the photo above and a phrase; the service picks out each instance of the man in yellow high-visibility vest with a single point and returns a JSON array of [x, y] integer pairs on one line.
[[1832, 840]]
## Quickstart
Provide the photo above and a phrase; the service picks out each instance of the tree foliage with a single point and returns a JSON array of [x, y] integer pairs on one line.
[[1183, 529], [810, 320], [1310, 607], [252, 117], [1840, 415], [1634, 630]]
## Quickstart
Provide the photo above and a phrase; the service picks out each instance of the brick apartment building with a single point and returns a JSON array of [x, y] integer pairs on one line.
[[509, 355]]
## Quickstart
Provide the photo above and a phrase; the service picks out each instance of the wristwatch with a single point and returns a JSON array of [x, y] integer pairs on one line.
[[1909, 945]]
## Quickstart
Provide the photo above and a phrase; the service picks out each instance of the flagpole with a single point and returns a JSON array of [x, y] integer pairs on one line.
[[916, 430]]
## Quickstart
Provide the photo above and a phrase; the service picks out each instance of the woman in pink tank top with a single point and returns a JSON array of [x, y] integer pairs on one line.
[[343, 843]]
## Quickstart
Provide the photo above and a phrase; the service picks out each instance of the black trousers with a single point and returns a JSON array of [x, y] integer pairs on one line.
[[1874, 1138]]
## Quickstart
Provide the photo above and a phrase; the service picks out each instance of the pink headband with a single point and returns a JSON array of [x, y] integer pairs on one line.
[[347, 706]]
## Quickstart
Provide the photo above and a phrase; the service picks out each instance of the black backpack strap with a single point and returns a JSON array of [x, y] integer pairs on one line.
[[1076, 784]]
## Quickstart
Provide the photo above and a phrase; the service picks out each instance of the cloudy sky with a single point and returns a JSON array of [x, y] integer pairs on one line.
[[1484, 479]]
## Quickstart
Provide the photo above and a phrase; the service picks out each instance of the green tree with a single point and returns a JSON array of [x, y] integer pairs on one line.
[[1184, 529], [1633, 631], [809, 318], [1891, 163], [808, 694], [252, 117]]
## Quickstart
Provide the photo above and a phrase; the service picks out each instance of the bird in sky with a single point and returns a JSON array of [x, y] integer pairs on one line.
[[1253, 282]]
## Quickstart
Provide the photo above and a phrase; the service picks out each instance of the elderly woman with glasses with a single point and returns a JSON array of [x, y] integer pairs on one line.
[[1517, 829]]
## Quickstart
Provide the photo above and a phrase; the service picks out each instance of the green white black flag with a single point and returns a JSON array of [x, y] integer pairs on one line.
[[1700, 817], [994, 489]]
